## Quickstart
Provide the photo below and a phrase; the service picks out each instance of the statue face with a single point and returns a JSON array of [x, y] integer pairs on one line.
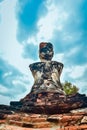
[[46, 51]]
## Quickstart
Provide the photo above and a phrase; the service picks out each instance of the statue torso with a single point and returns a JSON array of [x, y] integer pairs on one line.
[[46, 75]]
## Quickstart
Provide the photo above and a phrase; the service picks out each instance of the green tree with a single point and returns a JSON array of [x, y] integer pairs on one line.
[[69, 88]]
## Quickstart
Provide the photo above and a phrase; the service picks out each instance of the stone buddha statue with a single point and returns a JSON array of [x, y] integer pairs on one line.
[[47, 95], [47, 72]]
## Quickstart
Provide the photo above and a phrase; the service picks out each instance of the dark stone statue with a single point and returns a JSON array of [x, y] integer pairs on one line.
[[46, 73]]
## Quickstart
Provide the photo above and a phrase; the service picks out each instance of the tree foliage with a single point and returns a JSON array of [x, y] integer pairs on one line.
[[69, 88]]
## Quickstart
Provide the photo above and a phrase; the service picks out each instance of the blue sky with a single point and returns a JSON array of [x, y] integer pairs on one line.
[[26, 23]]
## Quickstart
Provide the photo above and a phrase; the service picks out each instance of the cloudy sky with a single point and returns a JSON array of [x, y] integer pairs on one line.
[[26, 23]]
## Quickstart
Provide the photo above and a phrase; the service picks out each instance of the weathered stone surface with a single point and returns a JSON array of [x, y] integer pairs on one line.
[[16, 104], [84, 120], [2, 121], [2, 116], [5, 109], [46, 73], [82, 127], [46, 51], [79, 111], [52, 103], [23, 121], [17, 123], [46, 76], [15, 117], [9, 127]]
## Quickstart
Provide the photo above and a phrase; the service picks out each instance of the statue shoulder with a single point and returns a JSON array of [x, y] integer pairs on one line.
[[35, 66], [58, 64]]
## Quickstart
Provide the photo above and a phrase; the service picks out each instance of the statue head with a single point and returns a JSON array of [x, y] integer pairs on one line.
[[46, 51]]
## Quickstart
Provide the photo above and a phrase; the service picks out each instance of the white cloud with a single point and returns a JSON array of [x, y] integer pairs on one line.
[[23, 81], [59, 57], [74, 50], [7, 74], [55, 19], [3, 89], [75, 75], [4, 100], [11, 50], [9, 46], [46, 24], [77, 71], [82, 85]]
